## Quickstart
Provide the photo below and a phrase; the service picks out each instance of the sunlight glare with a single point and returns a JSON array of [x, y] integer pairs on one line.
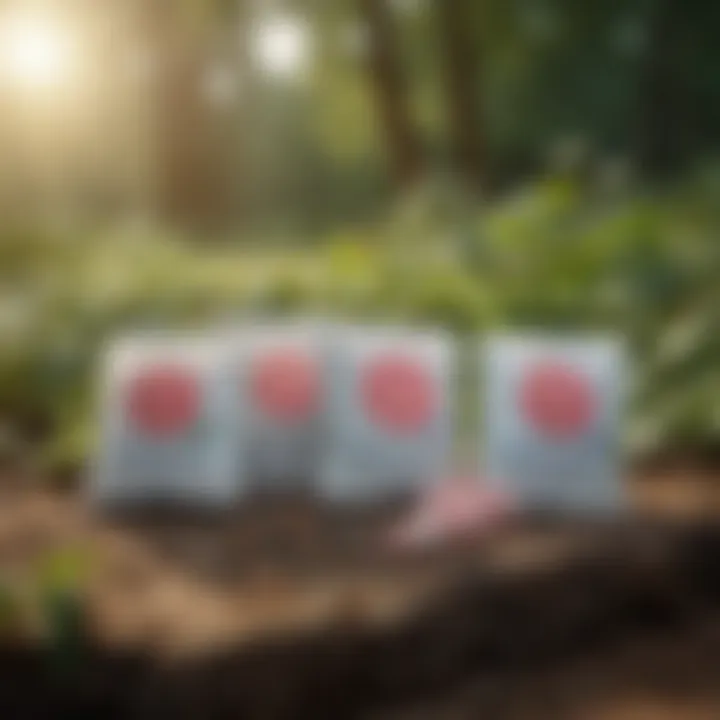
[[282, 46], [35, 51]]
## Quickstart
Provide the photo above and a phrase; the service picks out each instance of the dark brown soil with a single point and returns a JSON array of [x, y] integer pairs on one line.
[[292, 610]]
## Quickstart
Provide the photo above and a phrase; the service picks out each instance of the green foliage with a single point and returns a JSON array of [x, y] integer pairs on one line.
[[64, 571], [48, 596], [11, 613], [60, 579], [561, 255]]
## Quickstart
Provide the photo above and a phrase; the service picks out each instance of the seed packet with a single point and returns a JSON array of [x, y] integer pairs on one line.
[[168, 427], [552, 421], [388, 420], [282, 370]]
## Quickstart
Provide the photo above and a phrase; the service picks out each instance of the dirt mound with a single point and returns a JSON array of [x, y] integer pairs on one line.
[[644, 601]]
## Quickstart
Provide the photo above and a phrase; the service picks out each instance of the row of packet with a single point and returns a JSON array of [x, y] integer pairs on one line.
[[352, 414]]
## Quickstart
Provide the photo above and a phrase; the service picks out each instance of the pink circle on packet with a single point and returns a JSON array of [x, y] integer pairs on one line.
[[558, 400], [398, 393], [285, 384], [164, 400]]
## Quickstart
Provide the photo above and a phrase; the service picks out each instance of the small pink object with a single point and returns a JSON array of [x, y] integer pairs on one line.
[[455, 508]]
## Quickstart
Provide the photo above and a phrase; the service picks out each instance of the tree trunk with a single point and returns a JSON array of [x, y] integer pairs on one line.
[[191, 189], [462, 86], [403, 145], [663, 117]]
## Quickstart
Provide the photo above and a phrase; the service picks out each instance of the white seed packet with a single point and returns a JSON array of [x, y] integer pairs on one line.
[[169, 427], [281, 369], [552, 425], [389, 413]]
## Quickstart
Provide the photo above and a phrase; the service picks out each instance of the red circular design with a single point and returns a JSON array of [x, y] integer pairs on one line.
[[285, 384], [398, 393], [558, 400], [164, 400]]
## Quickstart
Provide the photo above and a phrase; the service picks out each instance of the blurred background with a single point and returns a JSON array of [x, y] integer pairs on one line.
[[475, 164]]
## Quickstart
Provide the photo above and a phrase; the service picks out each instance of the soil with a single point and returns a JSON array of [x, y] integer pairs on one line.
[[285, 608]]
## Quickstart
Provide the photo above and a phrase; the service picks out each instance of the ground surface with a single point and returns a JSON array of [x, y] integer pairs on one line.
[[185, 587]]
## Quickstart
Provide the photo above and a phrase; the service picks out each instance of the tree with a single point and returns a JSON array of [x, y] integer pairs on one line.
[[191, 184], [663, 107], [462, 88], [679, 93], [401, 138]]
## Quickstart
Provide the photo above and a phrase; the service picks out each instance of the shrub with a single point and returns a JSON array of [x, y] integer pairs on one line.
[[561, 254]]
